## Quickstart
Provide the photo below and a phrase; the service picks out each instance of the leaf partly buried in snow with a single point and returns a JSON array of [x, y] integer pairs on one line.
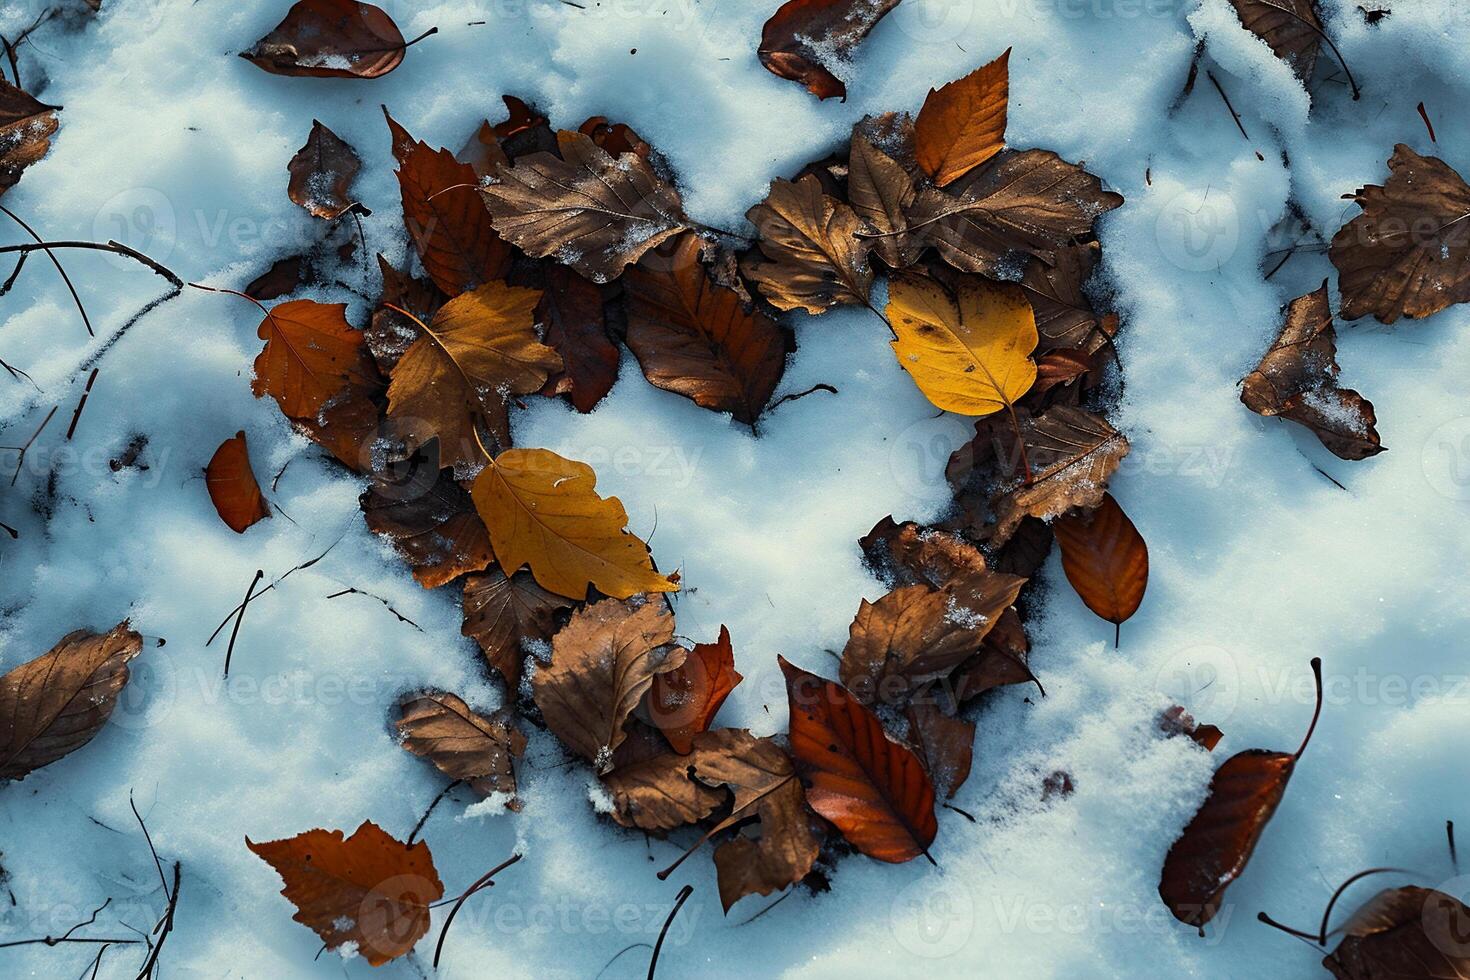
[[1065, 317], [453, 383], [944, 743], [697, 339], [462, 743], [436, 530], [503, 615], [874, 790], [882, 192], [55, 704], [1297, 380], [232, 486], [543, 510], [330, 39], [1290, 27], [1105, 559], [1403, 932], [908, 554], [26, 128], [571, 310], [1408, 253], [683, 701], [586, 209], [602, 663], [322, 172], [1028, 201], [963, 124], [369, 890], [311, 356], [805, 38], [810, 257], [969, 354]]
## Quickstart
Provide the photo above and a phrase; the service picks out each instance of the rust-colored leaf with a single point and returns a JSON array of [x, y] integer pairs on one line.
[[571, 311], [651, 788], [311, 355], [810, 257], [232, 487], [1174, 720], [963, 124], [1402, 933], [504, 615], [684, 701], [615, 138], [1003, 659], [368, 889], [1105, 559], [26, 128], [944, 743], [322, 172], [1216, 845], [432, 523], [874, 790], [55, 704], [462, 743], [330, 39], [805, 37]]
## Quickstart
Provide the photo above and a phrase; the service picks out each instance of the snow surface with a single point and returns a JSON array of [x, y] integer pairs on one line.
[[170, 142]]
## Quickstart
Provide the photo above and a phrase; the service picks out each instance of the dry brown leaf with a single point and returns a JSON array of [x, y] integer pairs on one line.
[[651, 788], [322, 172], [908, 554], [1004, 659], [330, 39], [1105, 559], [602, 663], [436, 530], [882, 192], [696, 338], [571, 309], [944, 743], [1064, 314], [963, 124], [804, 38], [810, 256], [232, 486], [462, 743], [615, 138], [684, 701], [390, 334], [1297, 379], [503, 615], [369, 889], [26, 128], [543, 510], [1291, 28], [586, 209], [55, 704], [1408, 253], [311, 355]]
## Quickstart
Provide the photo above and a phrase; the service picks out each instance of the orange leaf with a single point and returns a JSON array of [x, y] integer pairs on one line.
[[874, 790], [963, 124], [311, 355], [1105, 559], [368, 889], [684, 701], [232, 486]]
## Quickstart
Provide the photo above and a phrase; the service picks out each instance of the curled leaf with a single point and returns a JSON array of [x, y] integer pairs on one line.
[[322, 172], [232, 486], [330, 39], [26, 128], [684, 701], [462, 743], [805, 38]]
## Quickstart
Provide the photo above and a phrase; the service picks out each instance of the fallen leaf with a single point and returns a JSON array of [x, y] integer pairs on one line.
[[283, 277], [330, 39], [882, 192], [544, 510], [1216, 845], [504, 615], [26, 128], [462, 743], [1174, 720], [615, 138], [945, 744], [435, 528], [311, 355], [1403, 932], [810, 256], [1060, 367], [322, 172], [446, 220], [1065, 317], [232, 487], [908, 554], [1003, 659], [651, 788], [1290, 27], [390, 334], [806, 37], [480, 348], [1297, 379], [684, 701], [1028, 201], [696, 339], [963, 124], [1408, 253], [874, 790], [1105, 559], [602, 663], [55, 704], [970, 353], [571, 310], [369, 890], [587, 209]]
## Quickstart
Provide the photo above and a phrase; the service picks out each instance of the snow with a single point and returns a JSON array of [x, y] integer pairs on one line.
[[171, 143]]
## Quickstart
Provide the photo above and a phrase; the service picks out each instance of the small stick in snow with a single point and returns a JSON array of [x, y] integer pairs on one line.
[[67, 937], [1449, 832], [401, 618], [684, 894], [1427, 124], [22, 450], [801, 394], [485, 881], [81, 404], [1233, 114], [239, 617], [306, 564], [86, 320], [425, 818]]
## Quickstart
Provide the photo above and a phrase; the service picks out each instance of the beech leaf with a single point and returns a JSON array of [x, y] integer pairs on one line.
[[462, 743], [1403, 932], [882, 192], [232, 486], [805, 37], [944, 743], [810, 257], [1105, 559], [1291, 28], [963, 124], [330, 39]]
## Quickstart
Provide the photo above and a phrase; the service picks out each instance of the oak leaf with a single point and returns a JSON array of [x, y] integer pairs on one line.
[[587, 209], [1105, 559], [435, 528], [480, 348], [874, 790], [330, 39], [369, 889], [602, 663], [684, 701], [571, 309], [462, 743], [1408, 253], [543, 510], [1297, 380], [505, 614], [882, 192], [970, 353], [1291, 28], [963, 124], [55, 704], [804, 38], [810, 256], [322, 172], [26, 128], [697, 339], [232, 486]]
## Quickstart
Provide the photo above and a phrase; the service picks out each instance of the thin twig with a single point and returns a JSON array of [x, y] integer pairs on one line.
[[109, 246], [386, 605], [485, 881], [425, 818], [801, 394], [67, 937], [86, 320], [306, 564], [81, 404], [22, 450], [239, 618], [162, 929], [684, 894]]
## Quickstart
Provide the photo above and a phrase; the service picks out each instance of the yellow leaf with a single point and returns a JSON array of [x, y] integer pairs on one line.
[[963, 124], [543, 510], [970, 354]]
